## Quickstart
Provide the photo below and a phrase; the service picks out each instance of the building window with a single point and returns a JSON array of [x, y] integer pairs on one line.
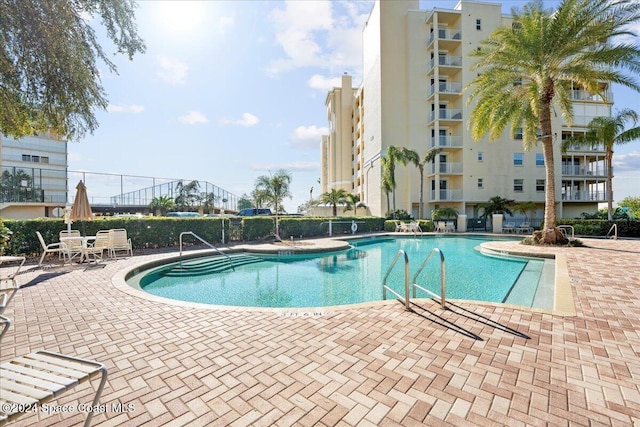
[[480, 156], [44, 159], [35, 159], [518, 134], [518, 185], [518, 159], [26, 158], [539, 159], [480, 183], [540, 185], [478, 24]]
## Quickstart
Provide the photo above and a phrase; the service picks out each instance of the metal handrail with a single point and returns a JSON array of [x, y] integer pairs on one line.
[[443, 287], [385, 288], [614, 227], [568, 227], [205, 242]]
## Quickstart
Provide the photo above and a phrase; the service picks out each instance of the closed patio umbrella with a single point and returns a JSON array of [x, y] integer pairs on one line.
[[81, 209]]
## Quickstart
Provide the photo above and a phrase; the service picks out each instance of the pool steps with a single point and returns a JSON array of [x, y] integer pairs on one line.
[[210, 265]]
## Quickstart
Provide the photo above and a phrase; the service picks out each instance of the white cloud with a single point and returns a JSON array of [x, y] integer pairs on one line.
[[133, 108], [324, 83], [224, 23], [193, 118], [172, 71], [626, 162], [247, 120], [315, 34], [308, 136]]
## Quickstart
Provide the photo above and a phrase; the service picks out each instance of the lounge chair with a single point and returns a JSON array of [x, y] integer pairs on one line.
[[120, 241], [441, 227], [36, 378], [450, 227], [508, 227], [51, 248], [525, 227]]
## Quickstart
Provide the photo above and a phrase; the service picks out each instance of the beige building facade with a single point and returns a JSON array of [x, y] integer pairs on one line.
[[33, 176], [416, 64]]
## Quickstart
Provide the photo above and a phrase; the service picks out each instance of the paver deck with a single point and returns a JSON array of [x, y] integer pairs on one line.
[[474, 364]]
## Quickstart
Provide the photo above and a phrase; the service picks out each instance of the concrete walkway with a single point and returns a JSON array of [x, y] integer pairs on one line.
[[475, 364]]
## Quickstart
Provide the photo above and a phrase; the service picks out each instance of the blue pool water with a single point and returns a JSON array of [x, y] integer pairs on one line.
[[348, 277]]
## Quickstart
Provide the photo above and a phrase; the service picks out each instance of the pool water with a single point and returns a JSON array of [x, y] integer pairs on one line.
[[348, 277]]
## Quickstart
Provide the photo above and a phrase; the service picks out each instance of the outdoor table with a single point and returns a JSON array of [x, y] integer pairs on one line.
[[84, 243]]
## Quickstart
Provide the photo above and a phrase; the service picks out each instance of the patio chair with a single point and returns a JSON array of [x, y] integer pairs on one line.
[[101, 244], [441, 227], [450, 227], [525, 227], [508, 227], [51, 248], [120, 241], [36, 378], [70, 233]]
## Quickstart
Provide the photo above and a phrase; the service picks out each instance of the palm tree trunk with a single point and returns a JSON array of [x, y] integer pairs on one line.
[[421, 168], [549, 233], [609, 162]]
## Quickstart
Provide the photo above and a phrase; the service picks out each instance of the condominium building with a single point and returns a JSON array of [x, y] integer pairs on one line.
[[33, 176], [416, 66]]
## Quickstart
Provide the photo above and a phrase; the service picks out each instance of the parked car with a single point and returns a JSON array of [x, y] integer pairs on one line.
[[183, 214], [254, 212]]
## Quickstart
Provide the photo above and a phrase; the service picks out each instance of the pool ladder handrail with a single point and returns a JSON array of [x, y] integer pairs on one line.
[[443, 278], [407, 300], [386, 288], [614, 227], [206, 243], [564, 229]]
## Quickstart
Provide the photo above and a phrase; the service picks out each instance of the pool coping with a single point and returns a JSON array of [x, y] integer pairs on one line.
[[564, 304]]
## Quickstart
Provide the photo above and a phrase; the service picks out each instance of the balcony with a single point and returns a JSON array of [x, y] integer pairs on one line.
[[446, 61], [583, 95], [446, 88], [577, 170], [446, 168], [446, 34], [585, 196], [446, 114], [446, 141], [587, 148], [446, 195]]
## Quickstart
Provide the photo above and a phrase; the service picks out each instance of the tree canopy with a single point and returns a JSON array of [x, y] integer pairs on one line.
[[49, 54]]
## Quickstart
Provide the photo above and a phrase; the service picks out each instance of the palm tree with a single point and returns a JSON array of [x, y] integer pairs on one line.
[[387, 183], [608, 131], [162, 204], [274, 189], [497, 205], [415, 159], [524, 66], [353, 200], [209, 202], [524, 208], [334, 198], [188, 194], [400, 155]]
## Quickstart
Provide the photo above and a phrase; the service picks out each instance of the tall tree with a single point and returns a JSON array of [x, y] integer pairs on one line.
[[387, 183], [414, 158], [334, 198], [608, 131], [275, 188], [353, 200], [49, 76], [529, 67], [400, 155], [163, 204]]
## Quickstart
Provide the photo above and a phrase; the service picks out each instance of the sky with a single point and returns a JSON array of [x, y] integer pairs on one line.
[[228, 91]]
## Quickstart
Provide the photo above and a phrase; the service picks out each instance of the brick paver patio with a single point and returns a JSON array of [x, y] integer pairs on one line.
[[474, 364]]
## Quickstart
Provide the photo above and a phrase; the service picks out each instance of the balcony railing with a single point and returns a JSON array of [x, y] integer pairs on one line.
[[588, 196], [588, 148], [584, 95], [446, 141], [581, 170], [453, 88], [446, 61], [447, 168], [446, 114], [446, 195], [446, 34]]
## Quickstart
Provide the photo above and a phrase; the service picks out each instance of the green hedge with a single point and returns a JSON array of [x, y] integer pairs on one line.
[[598, 227]]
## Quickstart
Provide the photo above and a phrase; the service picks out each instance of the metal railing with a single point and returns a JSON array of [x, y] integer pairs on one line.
[[206, 243], [407, 300], [613, 228], [443, 278], [386, 288], [565, 228]]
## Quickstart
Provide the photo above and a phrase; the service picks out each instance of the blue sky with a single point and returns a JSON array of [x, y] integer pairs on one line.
[[231, 90]]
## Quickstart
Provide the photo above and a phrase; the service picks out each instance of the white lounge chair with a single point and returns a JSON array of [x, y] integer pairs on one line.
[[51, 248], [120, 241], [525, 227], [508, 227], [441, 227]]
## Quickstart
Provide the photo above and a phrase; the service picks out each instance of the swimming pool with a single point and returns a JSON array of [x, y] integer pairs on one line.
[[348, 277]]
